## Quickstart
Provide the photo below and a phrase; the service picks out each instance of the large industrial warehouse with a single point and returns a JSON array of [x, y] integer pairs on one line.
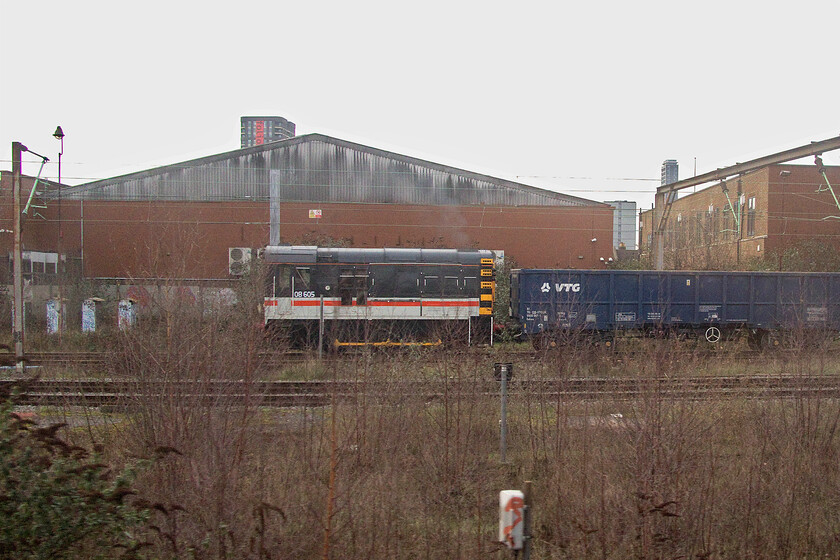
[[199, 219]]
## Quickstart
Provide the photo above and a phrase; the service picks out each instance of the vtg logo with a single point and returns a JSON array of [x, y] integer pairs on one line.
[[568, 287]]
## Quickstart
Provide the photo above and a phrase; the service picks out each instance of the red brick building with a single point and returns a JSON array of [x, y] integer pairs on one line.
[[773, 211]]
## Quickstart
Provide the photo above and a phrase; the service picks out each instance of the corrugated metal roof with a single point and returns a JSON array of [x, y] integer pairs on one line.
[[319, 168]]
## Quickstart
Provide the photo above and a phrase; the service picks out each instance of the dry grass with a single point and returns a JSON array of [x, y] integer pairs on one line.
[[390, 475]]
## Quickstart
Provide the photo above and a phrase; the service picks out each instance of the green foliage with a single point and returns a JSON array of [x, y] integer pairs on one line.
[[57, 500], [644, 262], [759, 264], [501, 305], [810, 256], [806, 256]]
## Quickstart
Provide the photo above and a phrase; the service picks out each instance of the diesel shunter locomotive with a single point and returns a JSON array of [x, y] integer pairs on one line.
[[391, 296]]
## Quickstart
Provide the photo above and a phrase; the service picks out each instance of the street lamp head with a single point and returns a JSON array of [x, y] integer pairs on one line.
[[59, 134]]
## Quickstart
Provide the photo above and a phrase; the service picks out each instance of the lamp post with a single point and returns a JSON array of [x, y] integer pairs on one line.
[[59, 135]]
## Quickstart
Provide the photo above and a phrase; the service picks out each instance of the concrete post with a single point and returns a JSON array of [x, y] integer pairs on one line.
[[17, 150]]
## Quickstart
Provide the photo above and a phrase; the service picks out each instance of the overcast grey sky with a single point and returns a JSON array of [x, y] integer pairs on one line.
[[540, 92]]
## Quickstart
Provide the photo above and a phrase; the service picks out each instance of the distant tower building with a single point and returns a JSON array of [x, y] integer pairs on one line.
[[670, 172], [261, 130], [624, 223]]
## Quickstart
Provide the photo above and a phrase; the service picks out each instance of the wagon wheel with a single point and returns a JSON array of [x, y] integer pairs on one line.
[[607, 341], [713, 335]]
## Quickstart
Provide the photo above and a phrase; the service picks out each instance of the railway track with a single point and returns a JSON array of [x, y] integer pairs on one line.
[[274, 359], [101, 360], [128, 393]]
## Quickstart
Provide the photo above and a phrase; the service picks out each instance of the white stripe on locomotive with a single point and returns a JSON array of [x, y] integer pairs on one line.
[[375, 309]]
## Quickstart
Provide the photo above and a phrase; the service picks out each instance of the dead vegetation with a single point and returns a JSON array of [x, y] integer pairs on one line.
[[390, 475]]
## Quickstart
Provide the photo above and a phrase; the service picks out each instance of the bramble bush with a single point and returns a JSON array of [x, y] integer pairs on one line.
[[58, 500]]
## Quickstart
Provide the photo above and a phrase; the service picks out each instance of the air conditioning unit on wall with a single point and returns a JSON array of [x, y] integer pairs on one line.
[[239, 260]]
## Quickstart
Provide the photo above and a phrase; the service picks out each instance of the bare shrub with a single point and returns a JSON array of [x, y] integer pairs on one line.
[[403, 462], [185, 364]]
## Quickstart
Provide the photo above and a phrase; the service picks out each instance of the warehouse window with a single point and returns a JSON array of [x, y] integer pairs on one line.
[[715, 227], [688, 231], [677, 241], [726, 226], [751, 216], [698, 229], [694, 227], [707, 226], [36, 264]]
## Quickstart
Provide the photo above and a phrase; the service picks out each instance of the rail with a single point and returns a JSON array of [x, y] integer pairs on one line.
[[128, 392], [280, 358]]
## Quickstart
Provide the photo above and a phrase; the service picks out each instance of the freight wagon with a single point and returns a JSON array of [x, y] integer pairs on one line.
[[379, 296], [767, 307]]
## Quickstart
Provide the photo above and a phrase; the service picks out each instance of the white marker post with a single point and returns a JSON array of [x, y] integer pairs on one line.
[[515, 520], [512, 518]]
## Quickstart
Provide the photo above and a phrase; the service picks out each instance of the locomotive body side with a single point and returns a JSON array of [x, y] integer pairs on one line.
[[398, 292]]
